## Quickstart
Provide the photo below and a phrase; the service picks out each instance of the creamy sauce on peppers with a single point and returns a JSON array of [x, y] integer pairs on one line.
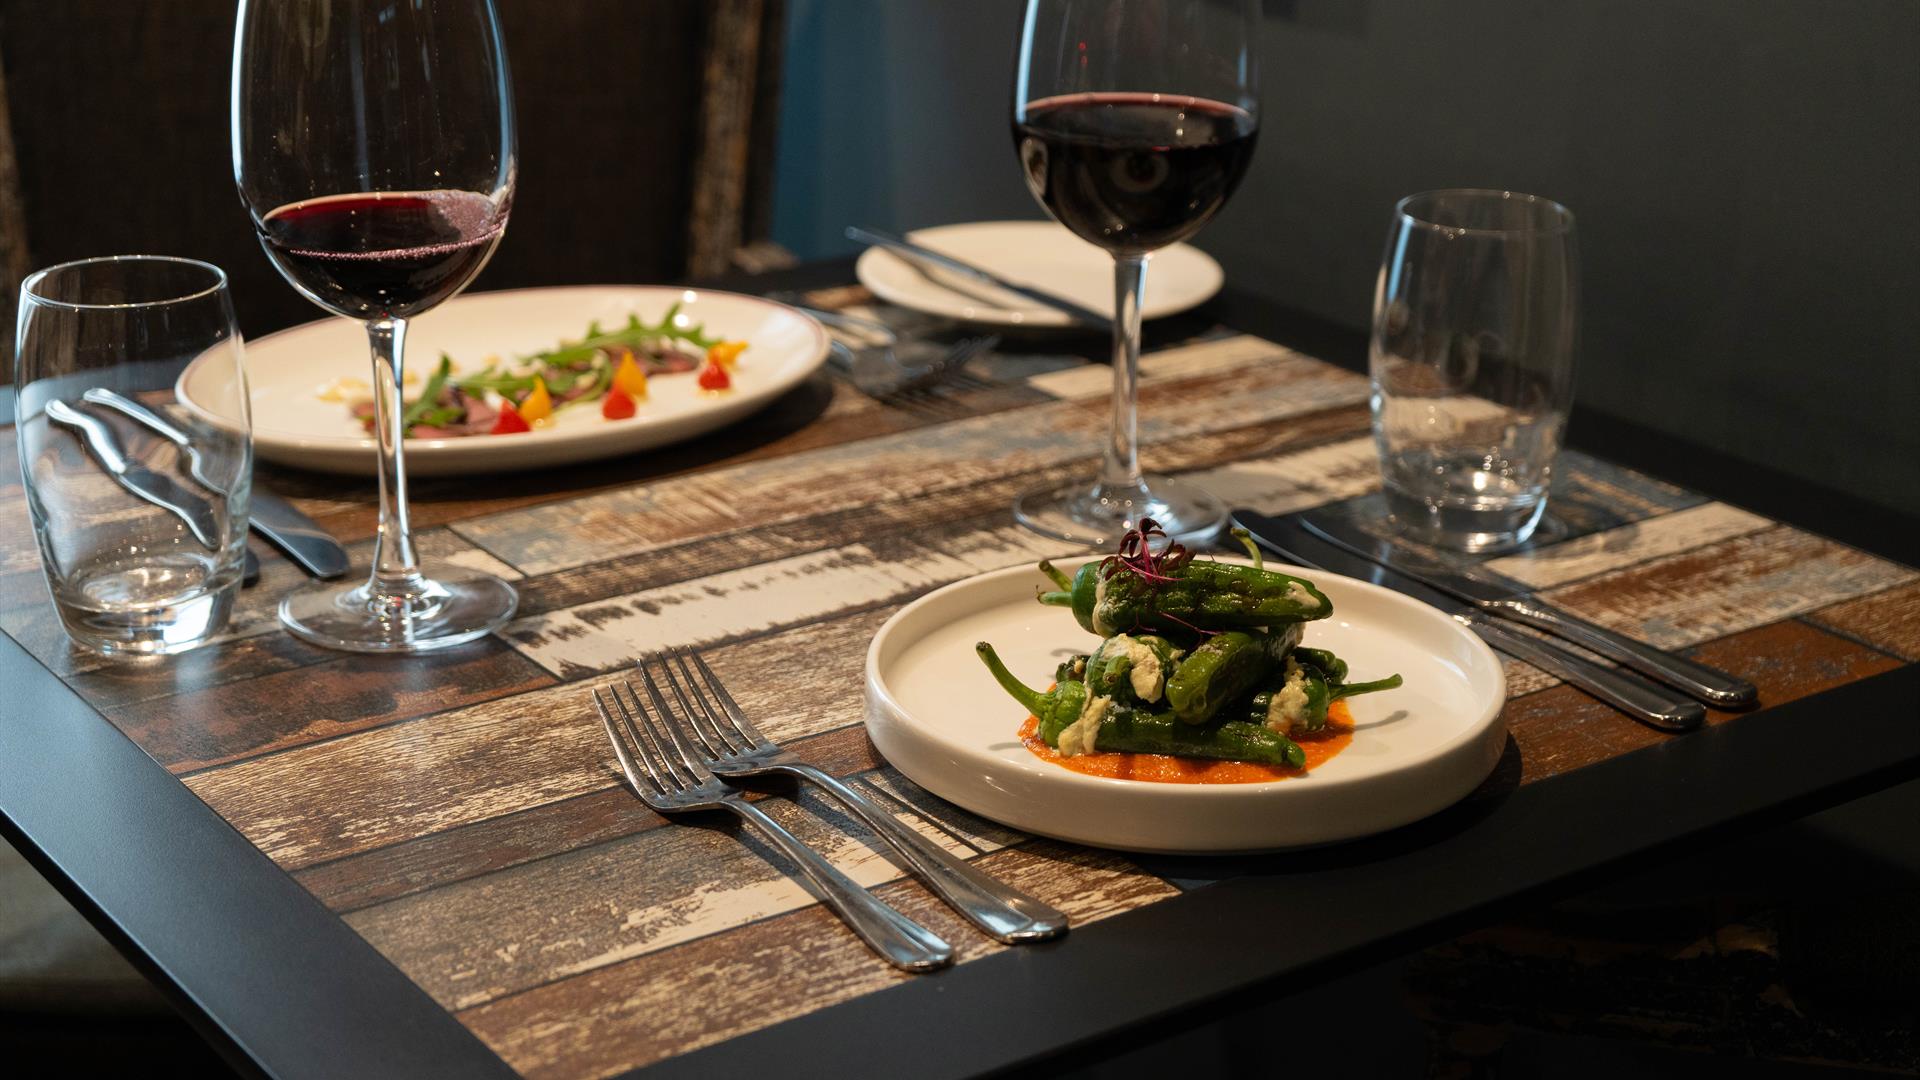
[[1320, 747]]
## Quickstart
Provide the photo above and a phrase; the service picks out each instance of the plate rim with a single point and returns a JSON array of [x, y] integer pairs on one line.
[[455, 449], [1040, 318], [876, 686]]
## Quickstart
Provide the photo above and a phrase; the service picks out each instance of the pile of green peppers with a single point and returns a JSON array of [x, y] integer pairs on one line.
[[1195, 655]]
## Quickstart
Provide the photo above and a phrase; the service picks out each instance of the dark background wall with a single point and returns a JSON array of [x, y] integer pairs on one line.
[[1746, 176]]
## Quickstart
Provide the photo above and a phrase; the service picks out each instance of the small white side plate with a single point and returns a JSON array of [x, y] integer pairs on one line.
[[937, 715], [1039, 254], [292, 425]]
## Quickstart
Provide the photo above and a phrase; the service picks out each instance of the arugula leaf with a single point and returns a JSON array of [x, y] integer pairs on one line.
[[429, 399]]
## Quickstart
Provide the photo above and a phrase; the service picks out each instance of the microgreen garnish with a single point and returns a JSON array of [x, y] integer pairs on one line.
[[1136, 554]]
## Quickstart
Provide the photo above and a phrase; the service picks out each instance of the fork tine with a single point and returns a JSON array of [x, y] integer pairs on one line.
[[691, 760], [620, 746], [653, 745], [735, 715], [681, 683], [964, 353]]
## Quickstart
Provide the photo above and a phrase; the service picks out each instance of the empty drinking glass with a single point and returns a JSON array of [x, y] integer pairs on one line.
[[139, 502], [1475, 321]]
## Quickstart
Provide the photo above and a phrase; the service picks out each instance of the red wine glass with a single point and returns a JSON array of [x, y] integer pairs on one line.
[[373, 143], [1134, 121]]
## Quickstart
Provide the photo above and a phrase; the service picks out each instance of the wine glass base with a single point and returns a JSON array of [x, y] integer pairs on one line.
[[1098, 516], [427, 614]]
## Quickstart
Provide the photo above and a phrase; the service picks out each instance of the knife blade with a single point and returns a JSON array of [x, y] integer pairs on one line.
[[1497, 594], [907, 248], [1642, 700], [293, 532], [160, 490], [273, 517]]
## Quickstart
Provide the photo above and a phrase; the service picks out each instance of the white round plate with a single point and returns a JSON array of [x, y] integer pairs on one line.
[[937, 715], [287, 371], [1038, 254]]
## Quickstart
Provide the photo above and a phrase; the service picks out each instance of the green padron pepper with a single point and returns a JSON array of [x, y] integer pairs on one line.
[[1055, 709], [1125, 728], [1128, 728], [1109, 598], [1114, 671], [1225, 667], [1321, 690]]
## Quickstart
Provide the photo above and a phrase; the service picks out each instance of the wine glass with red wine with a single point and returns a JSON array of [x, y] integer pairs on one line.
[[1134, 121], [373, 142]]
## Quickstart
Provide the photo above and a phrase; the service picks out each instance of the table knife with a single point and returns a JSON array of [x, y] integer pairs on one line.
[[268, 514], [1497, 594], [157, 488], [911, 250], [1644, 701]]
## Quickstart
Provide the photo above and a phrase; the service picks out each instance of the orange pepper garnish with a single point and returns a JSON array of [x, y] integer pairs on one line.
[[726, 354], [539, 404], [628, 378]]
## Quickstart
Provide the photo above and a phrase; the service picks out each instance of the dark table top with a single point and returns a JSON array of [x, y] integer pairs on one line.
[[343, 865]]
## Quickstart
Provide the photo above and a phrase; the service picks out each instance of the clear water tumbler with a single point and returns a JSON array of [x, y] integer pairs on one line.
[[1475, 328], [138, 499]]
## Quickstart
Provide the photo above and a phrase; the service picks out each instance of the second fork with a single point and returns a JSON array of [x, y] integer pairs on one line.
[[737, 749], [672, 787]]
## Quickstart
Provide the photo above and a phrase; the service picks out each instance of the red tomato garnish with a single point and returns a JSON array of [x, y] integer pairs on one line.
[[617, 405], [714, 377], [510, 421]]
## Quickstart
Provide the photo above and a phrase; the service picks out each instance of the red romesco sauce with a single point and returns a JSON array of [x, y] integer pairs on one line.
[[1167, 769]]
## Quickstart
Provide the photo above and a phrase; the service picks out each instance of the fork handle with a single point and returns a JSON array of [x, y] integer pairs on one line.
[[904, 943], [1003, 912], [1638, 698], [1708, 684]]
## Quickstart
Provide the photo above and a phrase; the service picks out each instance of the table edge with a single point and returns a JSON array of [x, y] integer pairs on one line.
[[1541, 840], [140, 831]]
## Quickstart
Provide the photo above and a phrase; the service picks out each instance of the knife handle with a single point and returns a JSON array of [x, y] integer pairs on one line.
[[1709, 684], [95, 435], [137, 412], [1631, 694]]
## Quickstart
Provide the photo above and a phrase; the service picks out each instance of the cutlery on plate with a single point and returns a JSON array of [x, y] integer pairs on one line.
[[268, 514], [160, 490], [907, 248], [667, 775], [735, 748], [1643, 700], [887, 367], [1497, 594]]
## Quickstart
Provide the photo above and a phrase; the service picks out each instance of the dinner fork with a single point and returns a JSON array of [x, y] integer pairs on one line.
[[738, 749], [676, 782]]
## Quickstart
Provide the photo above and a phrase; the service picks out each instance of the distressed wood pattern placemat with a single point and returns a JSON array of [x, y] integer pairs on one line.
[[461, 811]]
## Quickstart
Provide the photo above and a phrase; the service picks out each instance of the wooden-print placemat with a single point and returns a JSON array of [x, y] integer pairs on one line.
[[462, 811]]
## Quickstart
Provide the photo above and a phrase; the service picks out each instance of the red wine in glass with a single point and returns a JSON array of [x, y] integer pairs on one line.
[[374, 146], [1133, 172], [383, 255], [1134, 122]]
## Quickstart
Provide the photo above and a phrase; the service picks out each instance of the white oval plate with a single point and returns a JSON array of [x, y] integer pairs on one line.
[[292, 425], [937, 715], [1039, 254]]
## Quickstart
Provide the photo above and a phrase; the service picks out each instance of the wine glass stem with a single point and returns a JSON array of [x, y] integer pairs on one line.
[[396, 572], [1120, 468]]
